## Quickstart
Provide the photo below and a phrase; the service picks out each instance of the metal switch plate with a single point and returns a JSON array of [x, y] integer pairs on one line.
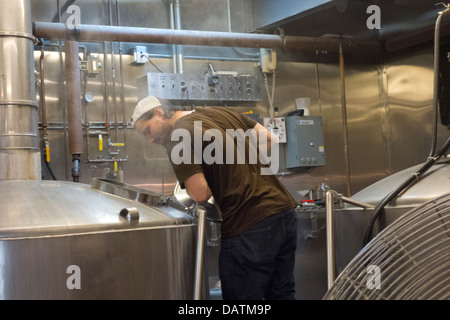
[[199, 87], [305, 142]]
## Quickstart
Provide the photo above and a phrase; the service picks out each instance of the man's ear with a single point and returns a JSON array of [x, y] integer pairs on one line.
[[158, 111]]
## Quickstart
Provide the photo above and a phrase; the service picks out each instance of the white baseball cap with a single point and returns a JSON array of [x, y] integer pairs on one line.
[[143, 106]]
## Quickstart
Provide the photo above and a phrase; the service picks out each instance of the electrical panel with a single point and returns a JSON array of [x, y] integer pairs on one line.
[[268, 60], [202, 88], [140, 54], [305, 143]]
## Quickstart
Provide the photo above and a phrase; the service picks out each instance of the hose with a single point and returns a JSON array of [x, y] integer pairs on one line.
[[436, 79], [50, 170], [415, 177], [433, 156]]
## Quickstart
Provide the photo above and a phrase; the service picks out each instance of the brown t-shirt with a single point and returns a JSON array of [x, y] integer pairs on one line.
[[243, 194]]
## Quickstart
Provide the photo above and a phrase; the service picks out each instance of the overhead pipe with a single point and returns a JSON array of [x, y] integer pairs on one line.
[[73, 84], [88, 33]]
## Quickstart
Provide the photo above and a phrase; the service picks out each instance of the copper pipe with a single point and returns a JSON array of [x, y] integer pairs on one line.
[[86, 32], [73, 97]]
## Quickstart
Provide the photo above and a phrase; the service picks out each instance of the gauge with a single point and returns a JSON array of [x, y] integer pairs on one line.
[[277, 127], [89, 97]]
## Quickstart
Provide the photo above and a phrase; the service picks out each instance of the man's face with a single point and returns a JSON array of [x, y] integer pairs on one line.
[[155, 130]]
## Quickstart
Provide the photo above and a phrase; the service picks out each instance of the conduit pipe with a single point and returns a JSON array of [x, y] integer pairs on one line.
[[74, 104], [180, 58], [86, 32], [344, 120]]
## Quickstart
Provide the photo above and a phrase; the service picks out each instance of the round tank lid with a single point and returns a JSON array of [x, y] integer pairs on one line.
[[42, 208]]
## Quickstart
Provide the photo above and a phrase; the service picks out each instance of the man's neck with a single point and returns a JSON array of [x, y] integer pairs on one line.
[[178, 115]]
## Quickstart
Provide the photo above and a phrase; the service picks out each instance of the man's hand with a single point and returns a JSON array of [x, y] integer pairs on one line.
[[197, 188]]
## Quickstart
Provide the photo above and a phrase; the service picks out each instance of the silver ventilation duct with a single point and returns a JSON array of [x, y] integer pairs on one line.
[[19, 146]]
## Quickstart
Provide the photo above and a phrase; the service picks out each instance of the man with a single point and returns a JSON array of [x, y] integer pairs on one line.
[[259, 228]]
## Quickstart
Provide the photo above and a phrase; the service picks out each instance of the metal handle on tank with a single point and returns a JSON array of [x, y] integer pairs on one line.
[[201, 214], [131, 214]]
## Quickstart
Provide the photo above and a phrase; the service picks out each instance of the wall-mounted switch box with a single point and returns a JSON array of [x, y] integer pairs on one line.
[[140, 55], [305, 143]]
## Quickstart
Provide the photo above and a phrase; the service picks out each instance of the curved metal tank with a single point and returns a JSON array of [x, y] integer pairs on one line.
[[434, 183], [351, 222], [65, 240]]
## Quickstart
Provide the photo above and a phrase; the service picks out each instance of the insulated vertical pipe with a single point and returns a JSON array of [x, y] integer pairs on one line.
[[19, 143], [73, 90]]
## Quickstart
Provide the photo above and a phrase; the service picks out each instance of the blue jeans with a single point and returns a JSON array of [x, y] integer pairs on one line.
[[259, 263]]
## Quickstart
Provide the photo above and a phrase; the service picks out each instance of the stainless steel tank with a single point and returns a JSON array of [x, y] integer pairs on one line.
[[350, 222], [65, 240]]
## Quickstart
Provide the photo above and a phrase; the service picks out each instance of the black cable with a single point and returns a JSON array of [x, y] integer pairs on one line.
[[414, 178], [50, 170], [151, 62], [433, 157]]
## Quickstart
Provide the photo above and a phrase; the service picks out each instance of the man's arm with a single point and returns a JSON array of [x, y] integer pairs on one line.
[[270, 140], [197, 187]]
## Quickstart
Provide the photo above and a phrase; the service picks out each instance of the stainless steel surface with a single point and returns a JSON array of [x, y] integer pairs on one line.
[[434, 183], [384, 103], [200, 252], [52, 225], [389, 110], [19, 145], [350, 222], [331, 267], [331, 198], [130, 192], [408, 260], [196, 88], [269, 13], [43, 208]]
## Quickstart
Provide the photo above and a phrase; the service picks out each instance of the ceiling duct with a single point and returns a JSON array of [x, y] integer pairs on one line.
[[269, 13]]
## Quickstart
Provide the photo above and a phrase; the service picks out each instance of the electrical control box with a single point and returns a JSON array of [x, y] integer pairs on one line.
[[140, 54], [305, 143], [201, 88]]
